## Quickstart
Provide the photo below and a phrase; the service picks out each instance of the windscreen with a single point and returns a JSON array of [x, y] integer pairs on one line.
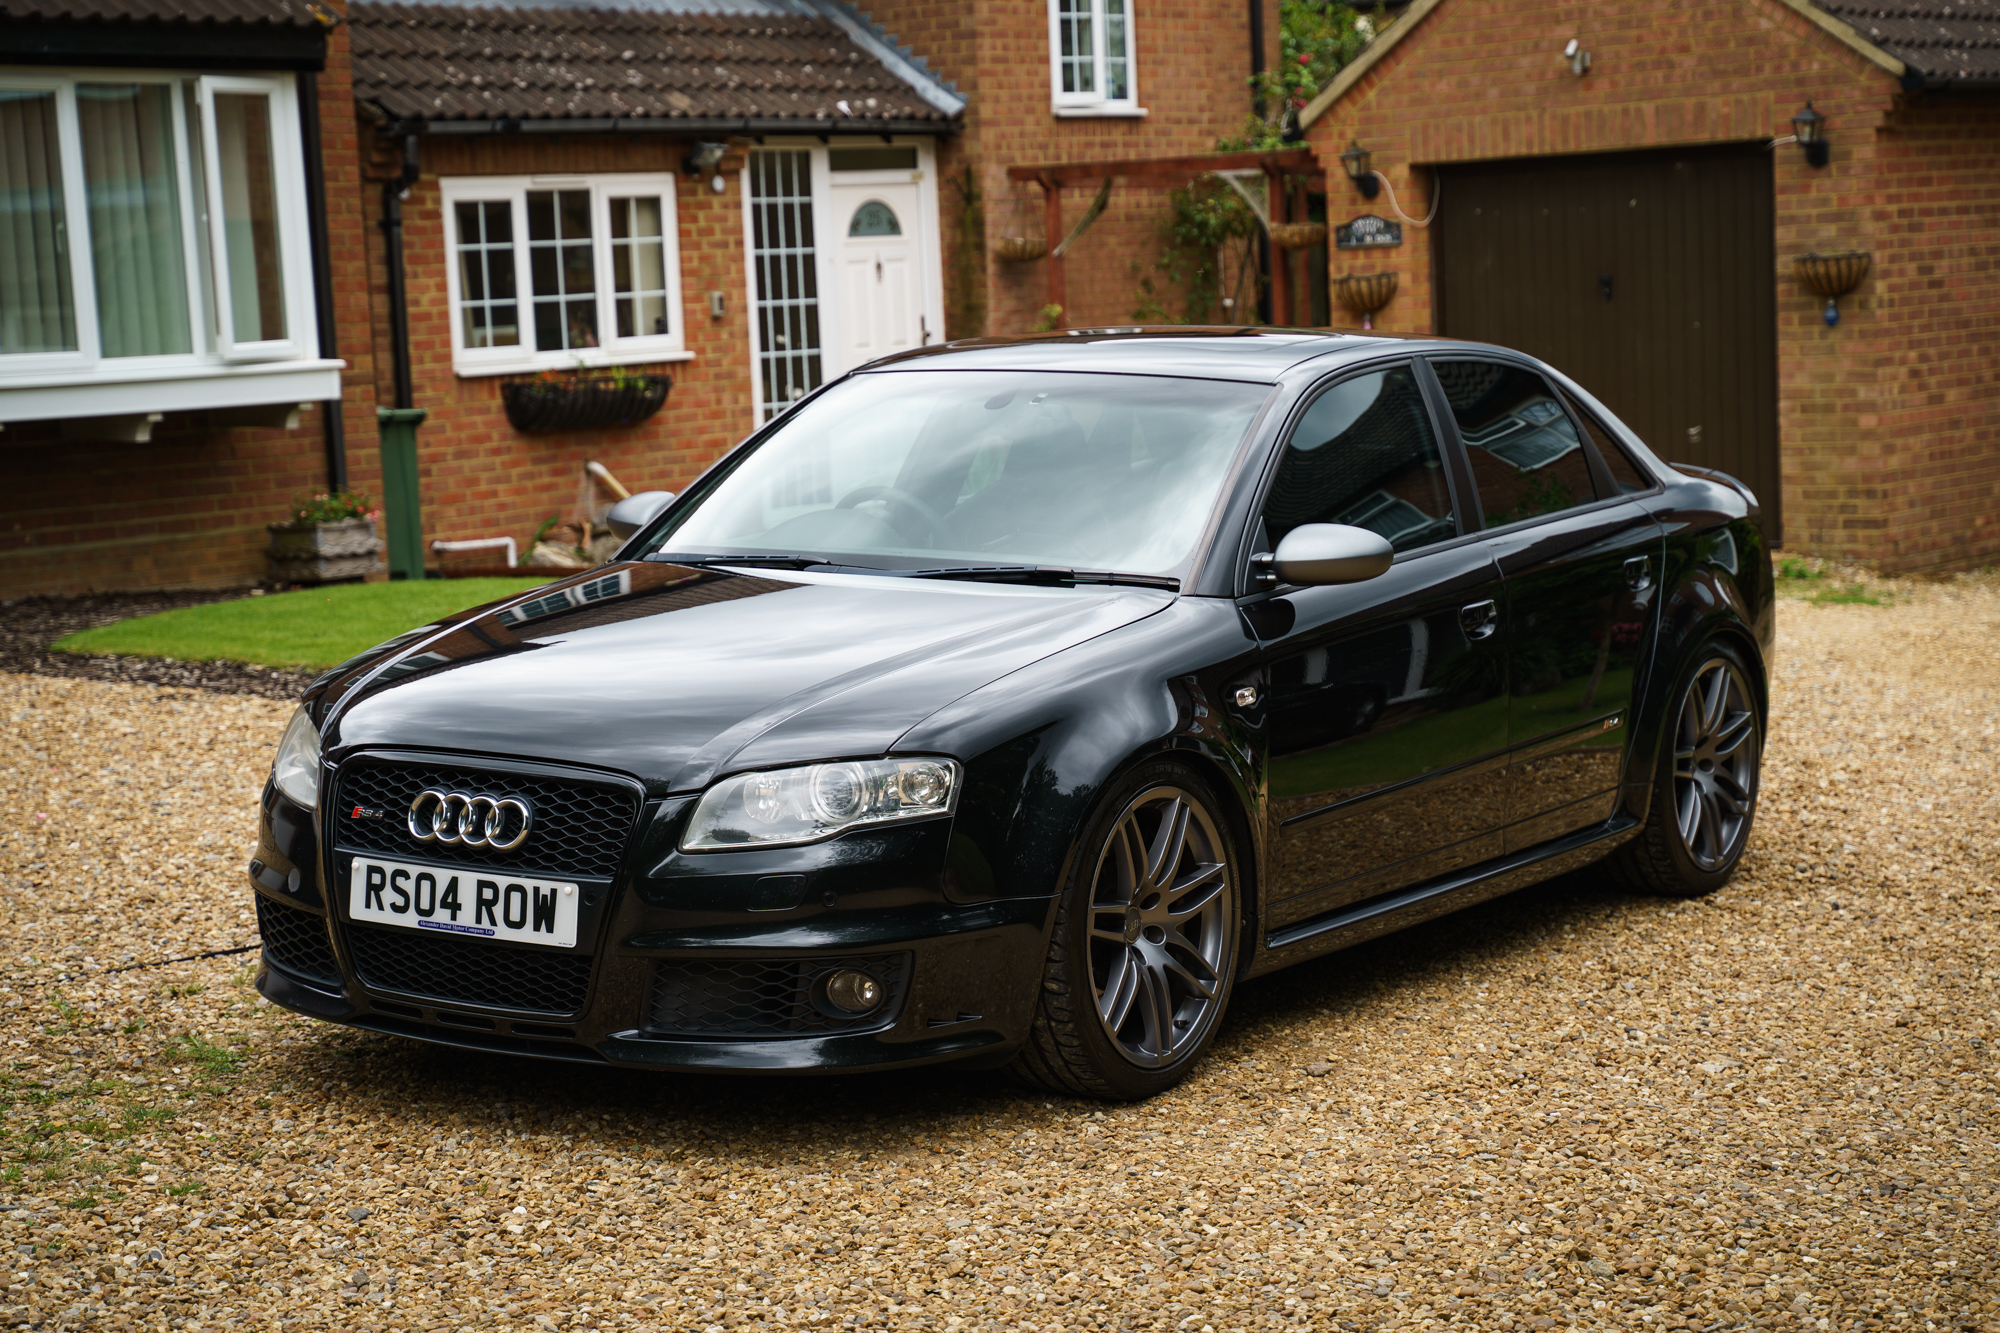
[[945, 468]]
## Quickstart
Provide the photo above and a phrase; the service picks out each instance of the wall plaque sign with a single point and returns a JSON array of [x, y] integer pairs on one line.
[[1367, 232]]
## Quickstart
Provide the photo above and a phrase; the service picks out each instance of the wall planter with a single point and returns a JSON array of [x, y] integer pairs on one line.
[[323, 552], [583, 403], [1832, 276], [1298, 235], [1364, 294]]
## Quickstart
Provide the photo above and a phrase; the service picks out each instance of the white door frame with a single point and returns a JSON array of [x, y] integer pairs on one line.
[[928, 237]]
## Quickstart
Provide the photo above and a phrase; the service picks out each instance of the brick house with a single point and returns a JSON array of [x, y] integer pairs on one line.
[[162, 380], [748, 198], [1615, 190]]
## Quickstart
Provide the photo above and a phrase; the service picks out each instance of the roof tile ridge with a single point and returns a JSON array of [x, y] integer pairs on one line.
[[865, 32]]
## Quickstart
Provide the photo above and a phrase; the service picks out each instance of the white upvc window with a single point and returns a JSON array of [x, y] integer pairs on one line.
[[551, 273], [154, 233], [1091, 58]]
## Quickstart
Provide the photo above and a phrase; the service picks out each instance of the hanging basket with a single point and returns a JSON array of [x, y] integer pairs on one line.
[[1298, 235], [1364, 294], [1832, 276], [536, 407], [1020, 249]]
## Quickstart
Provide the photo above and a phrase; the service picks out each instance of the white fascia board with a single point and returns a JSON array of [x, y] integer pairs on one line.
[[176, 389]]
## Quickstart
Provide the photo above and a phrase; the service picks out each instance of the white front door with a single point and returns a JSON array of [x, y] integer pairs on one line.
[[878, 239]]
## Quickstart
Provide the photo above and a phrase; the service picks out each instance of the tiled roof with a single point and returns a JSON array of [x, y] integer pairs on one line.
[[1944, 42], [748, 64], [276, 13]]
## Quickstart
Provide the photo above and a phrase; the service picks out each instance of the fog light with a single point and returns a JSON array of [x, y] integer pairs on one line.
[[852, 991]]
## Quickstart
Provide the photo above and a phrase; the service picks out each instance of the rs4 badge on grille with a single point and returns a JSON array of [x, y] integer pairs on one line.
[[365, 812]]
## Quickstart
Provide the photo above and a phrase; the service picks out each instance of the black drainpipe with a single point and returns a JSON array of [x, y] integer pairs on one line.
[[1257, 104], [1257, 52], [393, 191], [331, 420]]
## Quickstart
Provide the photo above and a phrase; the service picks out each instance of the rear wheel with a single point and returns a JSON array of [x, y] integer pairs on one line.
[[1705, 787], [1143, 956]]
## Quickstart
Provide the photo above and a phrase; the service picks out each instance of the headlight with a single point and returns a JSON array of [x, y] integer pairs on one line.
[[786, 806], [296, 769]]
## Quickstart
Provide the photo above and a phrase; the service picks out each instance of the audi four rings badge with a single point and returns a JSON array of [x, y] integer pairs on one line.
[[468, 821]]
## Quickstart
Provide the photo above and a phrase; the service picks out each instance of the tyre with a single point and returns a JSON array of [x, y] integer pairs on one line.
[[1705, 785], [1142, 960]]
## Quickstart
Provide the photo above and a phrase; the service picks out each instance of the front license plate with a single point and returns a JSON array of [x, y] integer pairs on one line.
[[480, 903]]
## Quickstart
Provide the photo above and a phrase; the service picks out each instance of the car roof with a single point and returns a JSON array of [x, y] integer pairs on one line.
[[1228, 352]]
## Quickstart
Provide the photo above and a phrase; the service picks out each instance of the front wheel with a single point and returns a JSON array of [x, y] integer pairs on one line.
[[1143, 956], [1705, 787]]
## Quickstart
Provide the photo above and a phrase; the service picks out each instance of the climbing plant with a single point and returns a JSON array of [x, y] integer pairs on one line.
[[1316, 39]]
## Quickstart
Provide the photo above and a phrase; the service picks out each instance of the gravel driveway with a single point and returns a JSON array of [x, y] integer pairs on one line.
[[1772, 1109]]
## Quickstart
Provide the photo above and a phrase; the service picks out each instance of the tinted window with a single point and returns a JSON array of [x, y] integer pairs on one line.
[[1524, 450], [1364, 454], [1623, 470]]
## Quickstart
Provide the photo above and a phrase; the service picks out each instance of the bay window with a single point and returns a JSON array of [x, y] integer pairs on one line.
[[561, 272], [152, 227], [1091, 58]]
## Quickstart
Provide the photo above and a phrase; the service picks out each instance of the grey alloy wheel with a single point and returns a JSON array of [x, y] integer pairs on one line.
[[1161, 927], [1716, 751]]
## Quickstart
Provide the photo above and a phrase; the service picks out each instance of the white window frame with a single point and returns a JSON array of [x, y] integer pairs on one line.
[[612, 350], [287, 165], [1094, 103], [84, 382]]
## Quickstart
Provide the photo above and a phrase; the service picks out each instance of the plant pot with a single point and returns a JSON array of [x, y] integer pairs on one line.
[[583, 404], [1364, 294], [1298, 235], [321, 552], [1832, 276], [1020, 249]]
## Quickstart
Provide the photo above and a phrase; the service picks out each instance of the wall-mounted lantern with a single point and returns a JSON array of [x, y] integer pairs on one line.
[[1579, 59], [1832, 276], [1356, 159], [1809, 129]]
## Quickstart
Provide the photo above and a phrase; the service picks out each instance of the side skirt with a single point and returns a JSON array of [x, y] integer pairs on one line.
[[1441, 897]]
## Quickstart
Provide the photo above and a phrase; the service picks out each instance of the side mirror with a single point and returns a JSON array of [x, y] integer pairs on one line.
[[1313, 554], [636, 511]]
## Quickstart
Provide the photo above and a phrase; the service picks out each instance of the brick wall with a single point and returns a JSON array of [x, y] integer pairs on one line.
[[1888, 422], [187, 509], [1193, 57], [477, 475]]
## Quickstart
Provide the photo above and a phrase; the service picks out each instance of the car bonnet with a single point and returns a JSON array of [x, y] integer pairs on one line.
[[676, 674]]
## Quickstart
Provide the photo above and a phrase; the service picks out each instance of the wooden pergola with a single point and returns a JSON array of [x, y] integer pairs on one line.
[[1166, 172]]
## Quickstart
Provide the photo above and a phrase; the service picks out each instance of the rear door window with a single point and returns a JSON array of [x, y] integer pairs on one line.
[[1526, 457], [1630, 477]]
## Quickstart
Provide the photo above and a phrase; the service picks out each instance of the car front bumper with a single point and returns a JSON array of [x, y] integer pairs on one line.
[[690, 965]]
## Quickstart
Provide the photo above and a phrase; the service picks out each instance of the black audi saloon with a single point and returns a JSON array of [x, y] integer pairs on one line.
[[1011, 702]]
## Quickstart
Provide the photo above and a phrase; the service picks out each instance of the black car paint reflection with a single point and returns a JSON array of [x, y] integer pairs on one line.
[[1484, 714]]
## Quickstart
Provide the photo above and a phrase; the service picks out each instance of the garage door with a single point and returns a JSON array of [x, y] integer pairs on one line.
[[1648, 277]]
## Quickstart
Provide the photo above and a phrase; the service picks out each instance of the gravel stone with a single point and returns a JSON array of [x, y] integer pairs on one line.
[[1770, 1109]]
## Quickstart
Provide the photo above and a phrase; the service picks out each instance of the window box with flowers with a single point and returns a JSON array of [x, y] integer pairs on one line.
[[554, 401], [328, 537]]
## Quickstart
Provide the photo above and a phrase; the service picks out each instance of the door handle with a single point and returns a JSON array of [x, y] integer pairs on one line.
[[1479, 619], [1639, 573]]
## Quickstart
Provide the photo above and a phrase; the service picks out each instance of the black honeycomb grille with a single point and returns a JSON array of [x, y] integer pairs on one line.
[[579, 828], [762, 997], [297, 941], [489, 975]]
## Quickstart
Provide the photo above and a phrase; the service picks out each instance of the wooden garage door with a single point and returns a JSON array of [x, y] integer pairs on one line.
[[1647, 277]]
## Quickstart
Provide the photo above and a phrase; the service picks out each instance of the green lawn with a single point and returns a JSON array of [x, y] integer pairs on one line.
[[315, 627]]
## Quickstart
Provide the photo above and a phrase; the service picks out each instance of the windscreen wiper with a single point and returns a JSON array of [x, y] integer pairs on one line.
[[776, 559], [1045, 575]]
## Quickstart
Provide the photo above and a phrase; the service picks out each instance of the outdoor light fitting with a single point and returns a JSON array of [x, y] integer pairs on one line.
[[1809, 132], [1579, 59], [702, 157], [1356, 160]]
